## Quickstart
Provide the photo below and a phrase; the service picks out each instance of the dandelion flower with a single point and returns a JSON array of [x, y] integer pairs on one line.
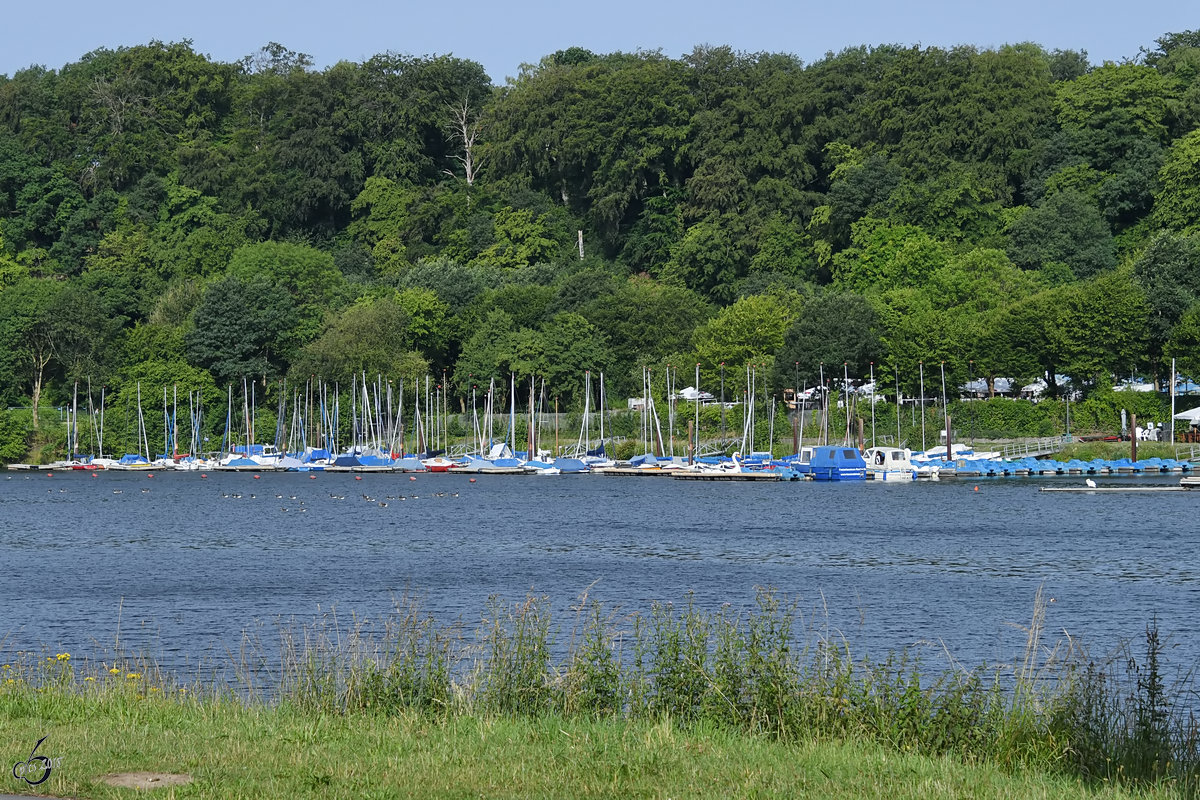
[[133, 676], [115, 671], [89, 678]]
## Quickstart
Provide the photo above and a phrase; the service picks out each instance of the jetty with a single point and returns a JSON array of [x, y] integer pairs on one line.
[[1103, 489], [764, 475]]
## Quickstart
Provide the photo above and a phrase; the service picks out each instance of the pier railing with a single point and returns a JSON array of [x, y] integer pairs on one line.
[[1034, 448]]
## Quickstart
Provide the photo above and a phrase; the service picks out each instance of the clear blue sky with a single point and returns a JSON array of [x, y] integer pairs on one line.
[[502, 36]]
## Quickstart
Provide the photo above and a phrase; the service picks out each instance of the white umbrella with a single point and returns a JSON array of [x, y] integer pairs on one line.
[[1191, 415]]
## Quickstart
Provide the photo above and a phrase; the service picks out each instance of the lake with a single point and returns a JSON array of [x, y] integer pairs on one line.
[[186, 564]]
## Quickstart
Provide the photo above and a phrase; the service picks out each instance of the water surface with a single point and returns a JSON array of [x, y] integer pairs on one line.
[[187, 564]]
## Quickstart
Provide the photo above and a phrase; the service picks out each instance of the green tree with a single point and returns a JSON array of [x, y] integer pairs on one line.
[[748, 332], [308, 275], [1178, 205], [887, 256], [645, 322], [243, 328], [572, 345], [374, 336], [1184, 343], [1065, 229], [29, 334], [1168, 271], [521, 239], [833, 328], [708, 259], [1103, 328]]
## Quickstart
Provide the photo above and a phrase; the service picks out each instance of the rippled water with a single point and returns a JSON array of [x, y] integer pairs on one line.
[[186, 565]]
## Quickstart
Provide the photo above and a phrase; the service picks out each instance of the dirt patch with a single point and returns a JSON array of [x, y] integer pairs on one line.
[[146, 780]]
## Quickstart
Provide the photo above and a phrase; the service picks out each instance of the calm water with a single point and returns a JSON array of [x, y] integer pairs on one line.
[[188, 567]]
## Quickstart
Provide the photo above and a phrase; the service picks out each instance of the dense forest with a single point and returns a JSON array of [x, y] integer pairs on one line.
[[170, 220]]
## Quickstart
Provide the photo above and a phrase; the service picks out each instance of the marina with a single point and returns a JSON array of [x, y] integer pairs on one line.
[[190, 569]]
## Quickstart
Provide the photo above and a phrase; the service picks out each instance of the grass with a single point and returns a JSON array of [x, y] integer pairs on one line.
[[674, 702], [232, 749]]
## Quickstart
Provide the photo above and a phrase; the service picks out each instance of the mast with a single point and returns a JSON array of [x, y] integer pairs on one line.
[[602, 408], [946, 413], [846, 399], [873, 405], [897, 370], [695, 445], [512, 412], [921, 366]]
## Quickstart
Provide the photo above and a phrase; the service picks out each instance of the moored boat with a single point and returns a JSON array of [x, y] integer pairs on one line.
[[890, 464]]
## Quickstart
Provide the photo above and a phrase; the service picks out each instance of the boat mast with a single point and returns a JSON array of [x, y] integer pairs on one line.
[[897, 370], [921, 367], [602, 409]]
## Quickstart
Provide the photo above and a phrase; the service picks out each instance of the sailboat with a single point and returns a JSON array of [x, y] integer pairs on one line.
[[137, 461]]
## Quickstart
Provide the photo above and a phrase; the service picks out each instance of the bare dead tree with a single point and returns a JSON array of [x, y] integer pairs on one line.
[[465, 128]]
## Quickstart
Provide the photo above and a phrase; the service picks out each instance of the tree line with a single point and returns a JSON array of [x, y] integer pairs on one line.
[[1017, 212]]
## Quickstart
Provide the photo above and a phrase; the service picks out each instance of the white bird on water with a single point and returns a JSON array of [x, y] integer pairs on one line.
[[1091, 484]]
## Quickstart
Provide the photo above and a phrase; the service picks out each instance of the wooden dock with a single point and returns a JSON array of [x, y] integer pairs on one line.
[[634, 472], [1103, 489], [726, 476]]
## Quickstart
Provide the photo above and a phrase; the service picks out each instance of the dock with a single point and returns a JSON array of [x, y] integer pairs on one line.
[[1102, 489], [726, 476], [634, 472]]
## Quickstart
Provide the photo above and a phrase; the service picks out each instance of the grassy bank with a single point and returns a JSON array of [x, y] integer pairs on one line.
[[233, 750], [674, 702]]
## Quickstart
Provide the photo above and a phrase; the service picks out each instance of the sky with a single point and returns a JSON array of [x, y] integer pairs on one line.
[[503, 36]]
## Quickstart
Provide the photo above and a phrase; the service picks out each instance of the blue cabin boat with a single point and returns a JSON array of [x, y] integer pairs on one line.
[[837, 463]]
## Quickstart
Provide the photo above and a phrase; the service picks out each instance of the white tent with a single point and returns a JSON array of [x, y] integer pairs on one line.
[[1191, 415]]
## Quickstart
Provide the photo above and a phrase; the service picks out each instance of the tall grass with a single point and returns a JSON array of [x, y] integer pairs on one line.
[[766, 671]]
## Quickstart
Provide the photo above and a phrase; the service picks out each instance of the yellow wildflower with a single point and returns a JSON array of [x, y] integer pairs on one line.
[[133, 676], [115, 671], [89, 678]]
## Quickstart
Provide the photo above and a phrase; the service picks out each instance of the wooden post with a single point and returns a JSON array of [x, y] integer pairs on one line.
[[1132, 437], [691, 445], [861, 441], [949, 437]]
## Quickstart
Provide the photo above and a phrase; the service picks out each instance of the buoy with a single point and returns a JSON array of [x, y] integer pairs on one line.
[[312, 477], [149, 474], [203, 475], [472, 480], [358, 477], [977, 488], [412, 477], [93, 474], [256, 477], [49, 474]]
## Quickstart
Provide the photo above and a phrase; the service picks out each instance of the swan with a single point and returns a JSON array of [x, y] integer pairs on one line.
[[1091, 484]]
